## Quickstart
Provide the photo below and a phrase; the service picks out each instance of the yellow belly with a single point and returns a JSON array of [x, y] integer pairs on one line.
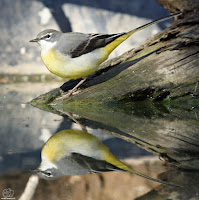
[[73, 68]]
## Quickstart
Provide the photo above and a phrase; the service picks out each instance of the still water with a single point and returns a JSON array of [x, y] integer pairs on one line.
[[160, 140]]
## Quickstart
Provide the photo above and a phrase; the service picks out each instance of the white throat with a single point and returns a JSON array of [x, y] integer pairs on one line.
[[46, 46]]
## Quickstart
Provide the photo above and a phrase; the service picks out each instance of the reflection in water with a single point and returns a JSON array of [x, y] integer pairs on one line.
[[190, 190], [75, 152], [169, 130]]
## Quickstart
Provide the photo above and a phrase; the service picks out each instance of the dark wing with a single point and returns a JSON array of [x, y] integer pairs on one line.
[[94, 165], [93, 41]]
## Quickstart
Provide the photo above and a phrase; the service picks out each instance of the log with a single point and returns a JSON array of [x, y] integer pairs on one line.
[[165, 67]]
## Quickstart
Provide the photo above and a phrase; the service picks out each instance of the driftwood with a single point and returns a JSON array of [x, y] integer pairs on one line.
[[165, 67]]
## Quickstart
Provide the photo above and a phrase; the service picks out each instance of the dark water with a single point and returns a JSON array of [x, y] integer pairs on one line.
[[158, 139]]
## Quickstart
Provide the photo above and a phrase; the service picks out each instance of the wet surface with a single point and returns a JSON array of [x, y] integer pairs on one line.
[[137, 133]]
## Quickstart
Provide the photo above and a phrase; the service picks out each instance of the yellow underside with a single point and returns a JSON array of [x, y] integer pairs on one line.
[[57, 146], [72, 68], [66, 141]]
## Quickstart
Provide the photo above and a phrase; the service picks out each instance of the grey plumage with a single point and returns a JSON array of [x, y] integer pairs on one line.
[[77, 43], [80, 43], [78, 164]]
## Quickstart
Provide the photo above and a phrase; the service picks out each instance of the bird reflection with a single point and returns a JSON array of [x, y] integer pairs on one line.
[[76, 152]]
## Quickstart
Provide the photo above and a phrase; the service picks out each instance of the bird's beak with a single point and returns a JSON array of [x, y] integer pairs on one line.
[[34, 40]]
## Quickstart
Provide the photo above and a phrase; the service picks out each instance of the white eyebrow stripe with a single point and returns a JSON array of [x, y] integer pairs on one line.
[[44, 36]]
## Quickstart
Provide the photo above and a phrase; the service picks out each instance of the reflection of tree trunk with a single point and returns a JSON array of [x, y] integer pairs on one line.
[[171, 133], [166, 65]]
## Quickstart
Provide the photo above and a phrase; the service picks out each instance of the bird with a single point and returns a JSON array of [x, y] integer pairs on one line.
[[76, 55], [77, 152]]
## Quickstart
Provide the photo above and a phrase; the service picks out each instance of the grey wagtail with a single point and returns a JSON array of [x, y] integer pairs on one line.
[[76, 152], [78, 55]]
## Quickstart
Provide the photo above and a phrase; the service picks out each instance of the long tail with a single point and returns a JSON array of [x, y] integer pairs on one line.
[[111, 46], [124, 167], [110, 158], [154, 179], [153, 22]]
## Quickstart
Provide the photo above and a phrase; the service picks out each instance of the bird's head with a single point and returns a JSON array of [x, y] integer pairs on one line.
[[47, 39], [47, 170]]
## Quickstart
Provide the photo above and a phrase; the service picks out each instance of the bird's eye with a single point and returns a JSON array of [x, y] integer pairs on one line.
[[48, 36], [48, 173]]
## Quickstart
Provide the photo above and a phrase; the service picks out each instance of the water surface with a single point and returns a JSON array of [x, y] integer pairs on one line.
[[158, 139]]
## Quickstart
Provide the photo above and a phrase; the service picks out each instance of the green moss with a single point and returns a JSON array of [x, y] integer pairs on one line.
[[46, 98]]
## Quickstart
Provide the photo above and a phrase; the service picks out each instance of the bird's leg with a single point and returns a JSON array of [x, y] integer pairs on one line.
[[75, 88], [76, 121], [71, 91], [73, 118]]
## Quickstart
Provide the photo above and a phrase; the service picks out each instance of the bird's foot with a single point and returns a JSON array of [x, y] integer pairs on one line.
[[71, 91], [67, 95]]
